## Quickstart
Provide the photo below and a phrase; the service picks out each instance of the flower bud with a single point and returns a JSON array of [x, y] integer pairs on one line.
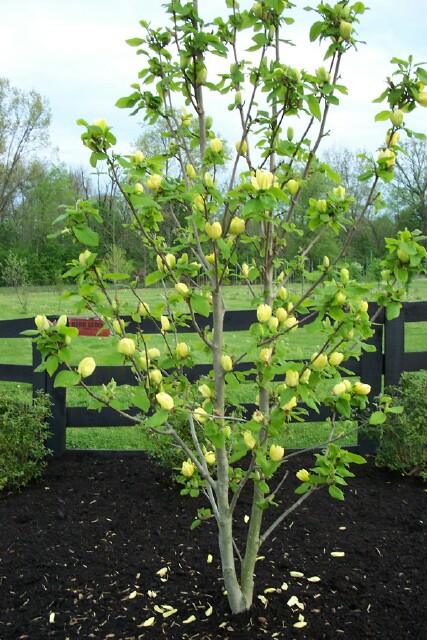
[[291, 404], [187, 468], [276, 452], [143, 309], [62, 321], [422, 98], [238, 98], [291, 322], [347, 384], [396, 117], [325, 262], [154, 182], [323, 75], [138, 157], [339, 389], [237, 226], [153, 353], [165, 400], [210, 458], [126, 346], [292, 378], [281, 314], [182, 289], [155, 377], [386, 158], [226, 363], [213, 230], [199, 203], [340, 298], [345, 29], [86, 367], [206, 391], [344, 275], [339, 192], [210, 258], [249, 440], [363, 306], [200, 415], [336, 358], [208, 179], [83, 257], [245, 269], [241, 147], [319, 362], [282, 294], [202, 75], [292, 186], [265, 355], [322, 206], [101, 123], [305, 376], [42, 323], [258, 416], [191, 172], [303, 475], [182, 350], [403, 255], [169, 259], [392, 139], [263, 313], [117, 327], [273, 323], [290, 134], [361, 389], [216, 145], [164, 323]]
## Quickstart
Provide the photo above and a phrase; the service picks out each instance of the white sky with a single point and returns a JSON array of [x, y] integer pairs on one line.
[[74, 53]]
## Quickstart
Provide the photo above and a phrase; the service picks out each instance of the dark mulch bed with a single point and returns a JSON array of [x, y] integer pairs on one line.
[[76, 546]]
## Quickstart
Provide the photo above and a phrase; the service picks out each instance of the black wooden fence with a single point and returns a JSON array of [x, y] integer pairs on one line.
[[379, 368]]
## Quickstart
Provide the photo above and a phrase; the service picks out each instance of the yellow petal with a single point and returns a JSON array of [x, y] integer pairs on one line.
[[209, 559], [132, 595], [296, 574], [52, 618], [337, 554], [171, 612], [313, 579], [284, 586], [188, 620], [300, 625], [269, 590], [148, 623], [208, 612], [162, 572]]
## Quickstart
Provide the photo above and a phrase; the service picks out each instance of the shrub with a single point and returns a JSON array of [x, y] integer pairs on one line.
[[402, 437], [23, 431]]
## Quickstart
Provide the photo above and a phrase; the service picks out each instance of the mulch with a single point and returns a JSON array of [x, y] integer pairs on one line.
[[80, 553]]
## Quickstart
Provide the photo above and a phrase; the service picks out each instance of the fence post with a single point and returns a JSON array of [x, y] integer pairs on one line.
[[56, 441], [394, 348], [371, 371]]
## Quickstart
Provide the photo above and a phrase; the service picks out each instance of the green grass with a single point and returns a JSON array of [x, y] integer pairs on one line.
[[48, 301]]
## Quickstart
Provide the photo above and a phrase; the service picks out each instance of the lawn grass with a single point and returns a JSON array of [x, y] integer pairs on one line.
[[48, 301]]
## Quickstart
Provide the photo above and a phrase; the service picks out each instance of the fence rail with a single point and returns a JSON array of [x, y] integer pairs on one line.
[[378, 368]]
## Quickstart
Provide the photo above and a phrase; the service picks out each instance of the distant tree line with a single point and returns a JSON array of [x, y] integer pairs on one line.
[[33, 188]]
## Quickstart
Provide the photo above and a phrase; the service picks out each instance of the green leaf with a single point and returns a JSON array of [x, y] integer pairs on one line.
[[154, 277], [51, 365], [134, 42], [335, 492], [303, 488], [314, 107], [200, 305], [67, 379], [157, 419], [354, 457], [85, 235], [393, 310], [382, 116], [315, 30], [141, 400], [378, 417]]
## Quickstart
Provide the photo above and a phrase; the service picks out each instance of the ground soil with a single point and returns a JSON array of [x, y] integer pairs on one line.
[[81, 549]]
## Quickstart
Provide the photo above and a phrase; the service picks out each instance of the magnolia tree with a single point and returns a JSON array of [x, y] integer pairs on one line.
[[266, 176]]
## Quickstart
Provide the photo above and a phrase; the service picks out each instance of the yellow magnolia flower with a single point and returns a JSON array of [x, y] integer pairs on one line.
[[262, 180], [143, 309], [226, 363], [126, 346], [263, 313], [249, 440], [153, 353], [182, 349], [291, 404], [339, 389], [155, 377], [276, 452], [265, 355], [396, 117], [273, 323], [138, 188], [339, 192], [361, 389], [237, 226], [206, 391], [213, 229], [303, 475], [83, 257], [164, 323], [200, 415], [210, 457], [154, 182], [101, 123], [86, 367], [138, 157], [165, 400], [182, 289], [292, 378], [336, 358], [187, 468], [42, 323], [292, 186], [281, 314], [319, 362], [216, 145]]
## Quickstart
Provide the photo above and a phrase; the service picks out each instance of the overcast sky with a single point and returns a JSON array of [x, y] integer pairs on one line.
[[74, 53]]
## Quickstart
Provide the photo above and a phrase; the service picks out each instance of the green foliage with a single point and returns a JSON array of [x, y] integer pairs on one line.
[[23, 431], [14, 272], [402, 437]]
